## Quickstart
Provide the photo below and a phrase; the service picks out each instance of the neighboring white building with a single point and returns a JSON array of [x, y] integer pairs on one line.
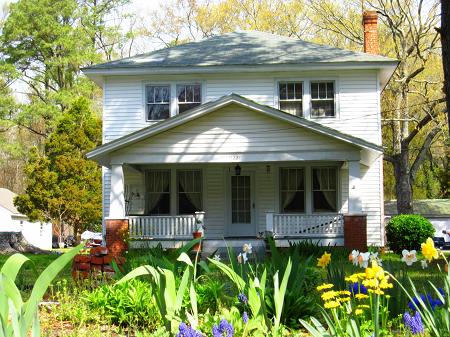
[[437, 211], [263, 133], [11, 220]]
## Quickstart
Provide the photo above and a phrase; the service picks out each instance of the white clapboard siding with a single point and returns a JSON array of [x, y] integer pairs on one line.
[[232, 129]]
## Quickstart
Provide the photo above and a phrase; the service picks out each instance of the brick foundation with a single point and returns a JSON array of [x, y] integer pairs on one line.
[[355, 231], [116, 236]]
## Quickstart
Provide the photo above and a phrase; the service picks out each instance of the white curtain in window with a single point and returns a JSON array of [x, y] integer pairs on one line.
[[323, 177], [191, 186], [157, 184]]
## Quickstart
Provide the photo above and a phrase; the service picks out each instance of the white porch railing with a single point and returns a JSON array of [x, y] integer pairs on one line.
[[297, 225], [162, 227]]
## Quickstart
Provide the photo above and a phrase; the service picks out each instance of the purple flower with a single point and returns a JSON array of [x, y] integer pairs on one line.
[[245, 317], [357, 288], [242, 298], [415, 304], [187, 331], [414, 323], [224, 329]]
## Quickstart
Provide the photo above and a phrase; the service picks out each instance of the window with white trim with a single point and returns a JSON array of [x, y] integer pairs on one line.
[[157, 102], [322, 99], [324, 189], [157, 188], [189, 191], [292, 190], [291, 97], [189, 96]]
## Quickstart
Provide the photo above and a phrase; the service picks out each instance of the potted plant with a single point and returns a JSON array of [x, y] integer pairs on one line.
[[199, 230]]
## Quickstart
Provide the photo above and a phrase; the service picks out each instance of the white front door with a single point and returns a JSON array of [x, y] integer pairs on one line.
[[241, 206]]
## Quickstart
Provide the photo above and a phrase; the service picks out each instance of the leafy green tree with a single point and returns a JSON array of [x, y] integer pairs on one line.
[[62, 186]]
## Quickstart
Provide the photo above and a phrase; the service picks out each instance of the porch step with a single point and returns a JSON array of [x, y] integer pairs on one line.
[[212, 247]]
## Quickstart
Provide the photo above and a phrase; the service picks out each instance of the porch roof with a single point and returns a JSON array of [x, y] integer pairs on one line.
[[102, 153]]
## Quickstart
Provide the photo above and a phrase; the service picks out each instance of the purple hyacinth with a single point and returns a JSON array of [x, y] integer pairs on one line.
[[357, 288], [415, 304], [242, 298], [414, 323], [187, 331], [245, 317], [224, 329]]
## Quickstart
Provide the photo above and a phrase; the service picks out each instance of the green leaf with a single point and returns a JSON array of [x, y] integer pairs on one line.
[[185, 258], [12, 266], [232, 275]]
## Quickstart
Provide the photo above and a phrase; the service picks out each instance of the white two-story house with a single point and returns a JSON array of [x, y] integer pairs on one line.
[[262, 133]]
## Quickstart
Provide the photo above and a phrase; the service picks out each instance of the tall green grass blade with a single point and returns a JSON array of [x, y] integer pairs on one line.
[[232, 275], [12, 266], [280, 292]]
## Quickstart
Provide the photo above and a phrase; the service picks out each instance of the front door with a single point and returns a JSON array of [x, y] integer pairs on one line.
[[241, 206]]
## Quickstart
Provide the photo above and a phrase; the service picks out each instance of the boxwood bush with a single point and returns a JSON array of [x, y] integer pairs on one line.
[[408, 231]]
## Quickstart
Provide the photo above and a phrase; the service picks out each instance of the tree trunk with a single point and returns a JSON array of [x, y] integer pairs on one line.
[[13, 242], [445, 42], [403, 182]]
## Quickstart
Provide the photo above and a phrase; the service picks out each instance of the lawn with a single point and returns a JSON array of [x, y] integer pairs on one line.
[[99, 308]]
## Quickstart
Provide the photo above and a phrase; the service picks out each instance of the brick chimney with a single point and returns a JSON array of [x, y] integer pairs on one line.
[[370, 23]]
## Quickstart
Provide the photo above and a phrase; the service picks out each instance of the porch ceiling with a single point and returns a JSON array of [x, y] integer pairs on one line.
[[234, 129]]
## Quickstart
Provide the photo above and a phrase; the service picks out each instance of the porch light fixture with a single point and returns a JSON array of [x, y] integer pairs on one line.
[[237, 170]]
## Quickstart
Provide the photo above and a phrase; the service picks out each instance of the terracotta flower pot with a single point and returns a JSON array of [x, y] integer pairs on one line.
[[198, 246]]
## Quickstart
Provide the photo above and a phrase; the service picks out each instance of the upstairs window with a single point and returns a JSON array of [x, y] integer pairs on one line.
[[324, 189], [189, 96], [322, 99], [292, 190], [290, 97], [158, 102]]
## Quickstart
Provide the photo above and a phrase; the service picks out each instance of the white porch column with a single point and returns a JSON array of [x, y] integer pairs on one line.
[[117, 198], [269, 221], [354, 187]]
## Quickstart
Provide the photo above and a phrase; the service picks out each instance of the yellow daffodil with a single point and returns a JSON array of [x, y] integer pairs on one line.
[[345, 293], [358, 312], [344, 299], [324, 260], [328, 295], [331, 304], [429, 251], [361, 296], [325, 286]]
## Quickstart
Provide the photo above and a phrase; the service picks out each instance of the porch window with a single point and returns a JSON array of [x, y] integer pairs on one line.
[[158, 192], [158, 102], [324, 180], [189, 96], [189, 193], [292, 190], [322, 99], [290, 97]]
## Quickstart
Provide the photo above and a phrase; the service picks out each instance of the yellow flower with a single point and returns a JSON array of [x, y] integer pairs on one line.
[[363, 306], [344, 299], [429, 251], [324, 260], [328, 295], [345, 292], [331, 304], [358, 312], [325, 286], [361, 296]]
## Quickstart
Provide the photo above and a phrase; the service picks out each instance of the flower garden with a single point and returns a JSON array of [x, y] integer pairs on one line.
[[303, 290]]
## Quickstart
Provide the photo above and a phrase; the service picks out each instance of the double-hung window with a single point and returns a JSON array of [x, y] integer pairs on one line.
[[324, 189], [290, 97], [158, 102], [322, 99], [157, 192], [189, 193], [292, 190], [189, 96]]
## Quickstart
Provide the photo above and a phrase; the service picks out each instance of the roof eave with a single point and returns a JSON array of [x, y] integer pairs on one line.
[[96, 73]]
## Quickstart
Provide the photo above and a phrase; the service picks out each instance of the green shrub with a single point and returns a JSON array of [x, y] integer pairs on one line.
[[128, 304], [408, 231]]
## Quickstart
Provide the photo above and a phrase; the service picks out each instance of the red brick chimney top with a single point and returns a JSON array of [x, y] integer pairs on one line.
[[370, 22]]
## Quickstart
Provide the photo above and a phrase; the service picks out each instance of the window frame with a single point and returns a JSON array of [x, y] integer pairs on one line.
[[146, 104], [337, 189], [146, 210], [280, 190], [173, 105], [302, 82], [177, 191], [323, 99], [177, 84]]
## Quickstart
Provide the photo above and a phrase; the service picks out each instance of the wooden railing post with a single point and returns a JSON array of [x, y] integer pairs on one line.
[[269, 222]]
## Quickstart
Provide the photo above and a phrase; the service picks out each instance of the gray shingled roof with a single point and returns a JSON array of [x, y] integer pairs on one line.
[[425, 207], [242, 48]]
